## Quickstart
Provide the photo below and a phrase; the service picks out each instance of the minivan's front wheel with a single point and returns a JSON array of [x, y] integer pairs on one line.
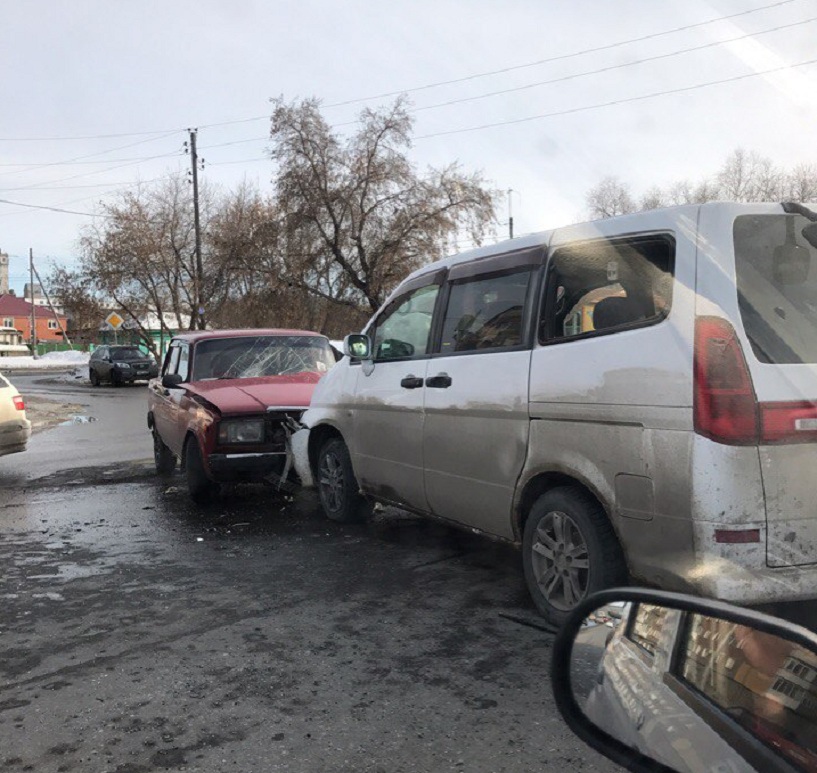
[[569, 551], [337, 486]]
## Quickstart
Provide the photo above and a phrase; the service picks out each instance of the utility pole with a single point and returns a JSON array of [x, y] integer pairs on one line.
[[51, 306], [510, 214], [198, 312], [31, 290]]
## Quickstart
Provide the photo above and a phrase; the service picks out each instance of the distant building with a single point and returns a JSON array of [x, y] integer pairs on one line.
[[39, 297], [4, 273], [11, 343], [16, 313]]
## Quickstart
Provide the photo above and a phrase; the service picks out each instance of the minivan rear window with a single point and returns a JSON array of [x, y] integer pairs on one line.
[[777, 287]]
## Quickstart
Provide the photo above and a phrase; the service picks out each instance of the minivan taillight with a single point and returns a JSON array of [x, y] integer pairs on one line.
[[724, 403], [18, 403], [794, 422]]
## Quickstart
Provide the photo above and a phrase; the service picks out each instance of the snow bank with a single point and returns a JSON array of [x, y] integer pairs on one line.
[[50, 361], [72, 356]]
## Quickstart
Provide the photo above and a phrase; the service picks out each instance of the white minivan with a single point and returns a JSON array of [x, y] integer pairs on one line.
[[631, 397]]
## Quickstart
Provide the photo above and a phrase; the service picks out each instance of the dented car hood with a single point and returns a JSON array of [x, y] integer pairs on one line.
[[251, 395]]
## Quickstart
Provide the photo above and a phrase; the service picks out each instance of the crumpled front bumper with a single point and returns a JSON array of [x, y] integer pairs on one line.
[[14, 436], [249, 466]]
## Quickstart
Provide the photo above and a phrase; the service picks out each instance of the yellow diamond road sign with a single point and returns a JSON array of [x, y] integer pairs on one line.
[[114, 320]]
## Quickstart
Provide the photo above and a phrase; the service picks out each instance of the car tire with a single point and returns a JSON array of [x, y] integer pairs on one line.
[[93, 377], [569, 550], [115, 378], [164, 458], [337, 486], [200, 487]]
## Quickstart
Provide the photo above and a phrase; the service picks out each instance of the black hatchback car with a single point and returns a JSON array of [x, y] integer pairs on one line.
[[121, 365]]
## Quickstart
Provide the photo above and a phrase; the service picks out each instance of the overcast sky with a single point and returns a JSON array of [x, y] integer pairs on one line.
[[88, 68]]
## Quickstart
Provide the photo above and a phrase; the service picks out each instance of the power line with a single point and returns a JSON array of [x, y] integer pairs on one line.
[[74, 187], [83, 163], [239, 161], [81, 159], [614, 102], [562, 57], [50, 209], [37, 186], [474, 76], [613, 67], [72, 138], [560, 79]]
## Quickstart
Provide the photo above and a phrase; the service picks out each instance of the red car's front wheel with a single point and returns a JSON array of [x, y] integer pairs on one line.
[[199, 485]]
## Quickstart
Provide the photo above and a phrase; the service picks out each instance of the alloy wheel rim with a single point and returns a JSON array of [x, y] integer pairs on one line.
[[561, 563], [331, 482]]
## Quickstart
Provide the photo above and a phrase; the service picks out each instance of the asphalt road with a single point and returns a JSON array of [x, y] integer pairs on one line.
[[141, 633]]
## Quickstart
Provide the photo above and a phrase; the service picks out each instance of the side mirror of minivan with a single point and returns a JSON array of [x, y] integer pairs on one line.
[[809, 233], [357, 347], [668, 682]]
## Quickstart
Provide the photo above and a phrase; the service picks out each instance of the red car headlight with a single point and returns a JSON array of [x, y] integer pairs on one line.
[[241, 431]]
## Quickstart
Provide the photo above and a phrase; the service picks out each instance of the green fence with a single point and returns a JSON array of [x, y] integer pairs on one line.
[[45, 347]]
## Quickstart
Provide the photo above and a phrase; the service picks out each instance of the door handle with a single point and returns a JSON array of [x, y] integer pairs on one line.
[[411, 382], [440, 381]]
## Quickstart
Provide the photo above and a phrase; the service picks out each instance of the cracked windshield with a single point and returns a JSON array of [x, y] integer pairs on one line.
[[408, 387], [249, 357]]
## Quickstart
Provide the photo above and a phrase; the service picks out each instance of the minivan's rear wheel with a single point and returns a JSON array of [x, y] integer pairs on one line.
[[200, 487], [164, 458], [569, 551], [337, 486]]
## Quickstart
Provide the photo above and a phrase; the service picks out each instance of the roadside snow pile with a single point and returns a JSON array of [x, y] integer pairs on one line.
[[73, 357], [50, 361], [77, 375]]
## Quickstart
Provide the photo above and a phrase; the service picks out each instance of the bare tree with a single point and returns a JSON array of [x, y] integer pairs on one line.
[[748, 176], [744, 176], [654, 198], [139, 257], [801, 183], [78, 297], [359, 216], [609, 198]]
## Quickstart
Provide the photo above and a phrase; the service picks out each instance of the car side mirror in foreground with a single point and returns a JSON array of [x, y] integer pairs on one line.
[[667, 682], [357, 347], [171, 380]]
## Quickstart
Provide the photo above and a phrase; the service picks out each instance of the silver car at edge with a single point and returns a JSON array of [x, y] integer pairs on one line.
[[628, 397], [15, 428]]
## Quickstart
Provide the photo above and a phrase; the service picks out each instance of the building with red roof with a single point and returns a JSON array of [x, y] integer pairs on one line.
[[16, 313]]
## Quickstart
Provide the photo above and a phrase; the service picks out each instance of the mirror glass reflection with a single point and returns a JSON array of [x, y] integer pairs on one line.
[[697, 693]]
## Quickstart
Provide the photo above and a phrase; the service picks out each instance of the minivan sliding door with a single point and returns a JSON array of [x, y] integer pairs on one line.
[[476, 400]]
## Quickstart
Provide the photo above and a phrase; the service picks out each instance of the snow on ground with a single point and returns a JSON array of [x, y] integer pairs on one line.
[[78, 375], [50, 361]]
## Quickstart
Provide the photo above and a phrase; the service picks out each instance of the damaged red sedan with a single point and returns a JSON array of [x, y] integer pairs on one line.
[[226, 402]]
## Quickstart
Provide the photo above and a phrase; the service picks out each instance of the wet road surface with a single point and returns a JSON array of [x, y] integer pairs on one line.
[[139, 632]]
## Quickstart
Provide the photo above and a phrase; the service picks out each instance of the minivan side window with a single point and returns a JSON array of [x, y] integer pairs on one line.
[[606, 285], [403, 329], [485, 313]]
